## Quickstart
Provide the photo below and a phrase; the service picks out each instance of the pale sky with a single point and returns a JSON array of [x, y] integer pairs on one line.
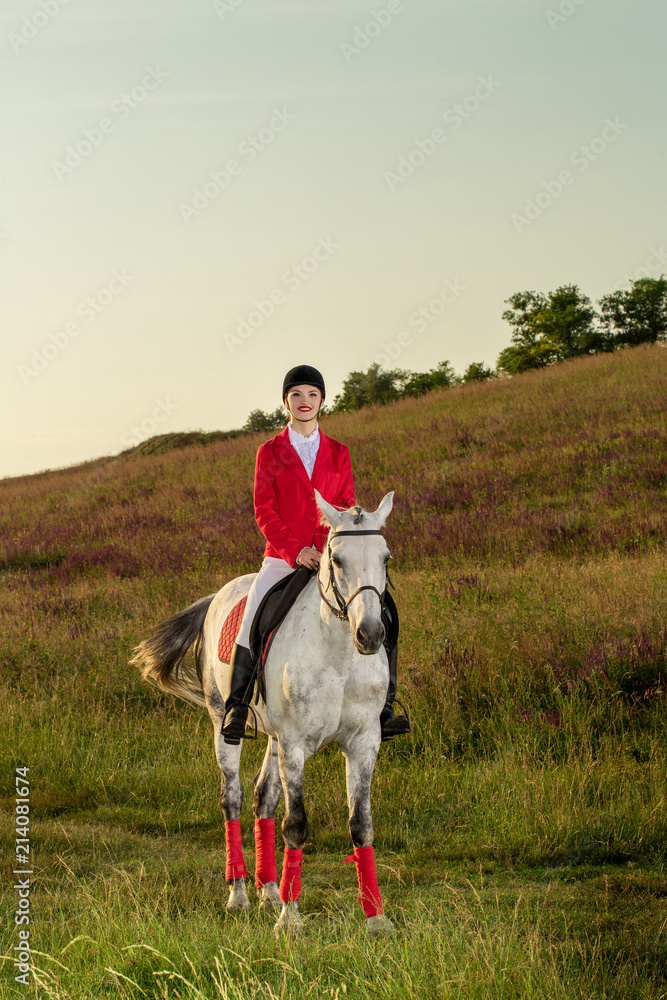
[[372, 160]]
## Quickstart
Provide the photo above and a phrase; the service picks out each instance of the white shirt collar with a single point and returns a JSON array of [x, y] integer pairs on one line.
[[306, 447], [300, 442]]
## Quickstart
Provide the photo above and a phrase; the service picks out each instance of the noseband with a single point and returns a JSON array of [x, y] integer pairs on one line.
[[341, 611]]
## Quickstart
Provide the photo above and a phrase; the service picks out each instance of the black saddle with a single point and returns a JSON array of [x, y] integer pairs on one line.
[[273, 610]]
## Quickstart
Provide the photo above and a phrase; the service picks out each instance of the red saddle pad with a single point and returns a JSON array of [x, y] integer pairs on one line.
[[230, 629]]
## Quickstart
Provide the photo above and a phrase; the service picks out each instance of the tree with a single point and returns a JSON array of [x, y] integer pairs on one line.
[[549, 328], [442, 377], [476, 372], [261, 421], [637, 316], [369, 387], [528, 349], [569, 323], [379, 386]]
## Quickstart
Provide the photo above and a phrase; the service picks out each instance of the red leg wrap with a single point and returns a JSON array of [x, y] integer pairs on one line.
[[265, 852], [235, 863], [369, 893], [290, 883]]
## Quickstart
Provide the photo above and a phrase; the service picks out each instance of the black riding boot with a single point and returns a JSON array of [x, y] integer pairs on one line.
[[391, 724], [236, 713]]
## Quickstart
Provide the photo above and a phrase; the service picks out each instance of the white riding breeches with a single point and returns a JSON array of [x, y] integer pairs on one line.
[[270, 572]]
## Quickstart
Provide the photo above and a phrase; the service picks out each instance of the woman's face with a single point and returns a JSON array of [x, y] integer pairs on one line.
[[303, 402]]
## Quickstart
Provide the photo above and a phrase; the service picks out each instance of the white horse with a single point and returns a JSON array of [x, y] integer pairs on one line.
[[326, 682]]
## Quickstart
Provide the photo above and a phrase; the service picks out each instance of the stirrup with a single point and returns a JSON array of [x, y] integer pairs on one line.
[[391, 736], [235, 740]]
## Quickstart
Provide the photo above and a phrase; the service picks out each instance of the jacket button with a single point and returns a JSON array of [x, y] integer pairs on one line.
[[312, 519]]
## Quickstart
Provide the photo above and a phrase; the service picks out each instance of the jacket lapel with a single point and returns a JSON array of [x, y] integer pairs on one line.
[[321, 460]]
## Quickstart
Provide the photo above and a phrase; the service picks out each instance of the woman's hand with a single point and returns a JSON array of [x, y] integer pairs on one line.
[[309, 557]]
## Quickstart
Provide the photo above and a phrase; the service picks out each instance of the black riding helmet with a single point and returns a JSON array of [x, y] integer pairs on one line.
[[303, 375]]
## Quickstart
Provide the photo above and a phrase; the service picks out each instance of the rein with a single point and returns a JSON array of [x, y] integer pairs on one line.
[[341, 611]]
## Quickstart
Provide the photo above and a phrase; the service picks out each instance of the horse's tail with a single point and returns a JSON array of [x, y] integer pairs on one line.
[[161, 656]]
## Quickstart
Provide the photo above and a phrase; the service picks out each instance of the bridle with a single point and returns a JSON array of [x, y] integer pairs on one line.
[[341, 611]]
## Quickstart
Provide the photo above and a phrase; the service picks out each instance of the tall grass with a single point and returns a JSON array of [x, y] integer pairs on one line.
[[520, 831]]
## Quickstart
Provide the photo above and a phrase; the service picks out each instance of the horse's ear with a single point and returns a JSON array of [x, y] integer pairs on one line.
[[384, 510], [328, 514]]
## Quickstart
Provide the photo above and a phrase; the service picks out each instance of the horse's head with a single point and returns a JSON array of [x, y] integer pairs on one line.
[[353, 570]]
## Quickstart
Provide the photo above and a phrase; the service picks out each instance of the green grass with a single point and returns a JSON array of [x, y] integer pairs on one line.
[[513, 875], [520, 831]]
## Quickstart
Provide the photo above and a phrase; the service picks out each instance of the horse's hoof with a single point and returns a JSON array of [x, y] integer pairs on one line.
[[238, 898], [379, 925], [237, 906], [269, 897], [289, 921]]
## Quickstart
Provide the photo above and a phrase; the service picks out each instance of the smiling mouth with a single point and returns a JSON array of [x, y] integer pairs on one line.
[[304, 409]]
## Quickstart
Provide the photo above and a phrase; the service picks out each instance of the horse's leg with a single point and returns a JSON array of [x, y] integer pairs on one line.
[[231, 796], [360, 757], [267, 794], [295, 830]]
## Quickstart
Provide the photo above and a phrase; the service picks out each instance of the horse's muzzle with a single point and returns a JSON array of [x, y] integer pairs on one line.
[[369, 637]]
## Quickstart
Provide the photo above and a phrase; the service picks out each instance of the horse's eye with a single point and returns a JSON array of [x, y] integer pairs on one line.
[[335, 560]]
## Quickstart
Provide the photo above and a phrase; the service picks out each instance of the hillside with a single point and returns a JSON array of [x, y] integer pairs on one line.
[[569, 460], [520, 831]]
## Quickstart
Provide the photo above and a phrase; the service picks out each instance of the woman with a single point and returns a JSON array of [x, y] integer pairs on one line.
[[288, 469]]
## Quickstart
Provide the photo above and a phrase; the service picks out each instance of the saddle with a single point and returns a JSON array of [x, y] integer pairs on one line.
[[269, 616], [272, 610], [271, 613]]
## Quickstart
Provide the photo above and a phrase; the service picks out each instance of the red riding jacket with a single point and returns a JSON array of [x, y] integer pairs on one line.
[[285, 506]]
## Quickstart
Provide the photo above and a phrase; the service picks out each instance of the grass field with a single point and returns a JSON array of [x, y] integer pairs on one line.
[[520, 831]]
